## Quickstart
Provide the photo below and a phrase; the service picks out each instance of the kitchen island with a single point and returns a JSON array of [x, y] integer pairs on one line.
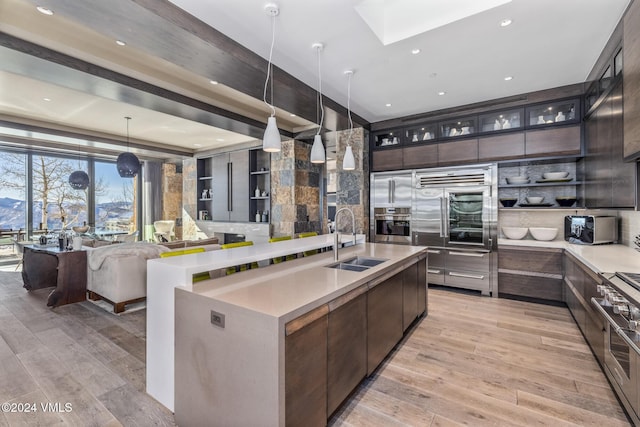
[[288, 343]]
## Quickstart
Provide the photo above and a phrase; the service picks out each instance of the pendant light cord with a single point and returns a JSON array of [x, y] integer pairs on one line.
[[128, 118], [320, 93], [269, 73], [349, 108]]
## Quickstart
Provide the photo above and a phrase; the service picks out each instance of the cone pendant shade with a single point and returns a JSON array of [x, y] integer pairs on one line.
[[317, 150], [349, 162], [271, 141]]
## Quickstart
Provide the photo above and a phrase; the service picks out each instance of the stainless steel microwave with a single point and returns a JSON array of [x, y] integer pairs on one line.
[[590, 229]]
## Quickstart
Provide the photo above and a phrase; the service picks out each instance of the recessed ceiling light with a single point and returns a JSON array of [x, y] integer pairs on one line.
[[505, 22], [387, 105], [46, 99], [44, 10], [441, 93], [213, 82], [120, 43], [415, 51], [508, 78]]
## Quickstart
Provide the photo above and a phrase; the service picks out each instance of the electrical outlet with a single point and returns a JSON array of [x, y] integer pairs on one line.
[[217, 319]]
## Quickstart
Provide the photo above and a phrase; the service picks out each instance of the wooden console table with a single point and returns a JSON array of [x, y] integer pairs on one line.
[[47, 266]]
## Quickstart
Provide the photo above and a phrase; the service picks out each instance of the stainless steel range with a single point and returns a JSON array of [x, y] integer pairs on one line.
[[620, 306], [454, 213]]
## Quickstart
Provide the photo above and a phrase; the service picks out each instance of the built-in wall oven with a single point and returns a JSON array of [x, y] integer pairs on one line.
[[392, 225], [454, 213], [622, 338]]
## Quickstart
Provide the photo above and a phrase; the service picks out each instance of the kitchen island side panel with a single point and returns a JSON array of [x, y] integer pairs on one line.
[[231, 375]]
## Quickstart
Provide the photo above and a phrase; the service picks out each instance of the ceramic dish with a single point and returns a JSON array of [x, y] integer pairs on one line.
[[555, 175], [514, 233], [543, 233], [508, 203], [535, 205]]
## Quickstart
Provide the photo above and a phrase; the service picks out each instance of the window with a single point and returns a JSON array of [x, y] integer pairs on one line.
[[55, 204], [115, 207], [13, 206]]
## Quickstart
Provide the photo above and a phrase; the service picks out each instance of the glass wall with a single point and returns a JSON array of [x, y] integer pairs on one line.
[[115, 206], [35, 189]]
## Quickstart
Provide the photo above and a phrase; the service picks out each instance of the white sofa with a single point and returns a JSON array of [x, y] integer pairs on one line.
[[118, 273]]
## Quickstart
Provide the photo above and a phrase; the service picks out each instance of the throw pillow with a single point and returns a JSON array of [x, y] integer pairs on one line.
[[202, 242]]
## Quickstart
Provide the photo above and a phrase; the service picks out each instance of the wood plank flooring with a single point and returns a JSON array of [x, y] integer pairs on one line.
[[474, 360], [484, 361]]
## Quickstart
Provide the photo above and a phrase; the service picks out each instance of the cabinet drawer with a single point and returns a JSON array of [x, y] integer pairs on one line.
[[466, 261], [546, 288], [478, 280], [436, 258], [540, 261]]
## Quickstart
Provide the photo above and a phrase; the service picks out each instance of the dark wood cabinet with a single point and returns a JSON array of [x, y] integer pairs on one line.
[[530, 272], [422, 287], [306, 369], [631, 73], [387, 159], [384, 319], [420, 156], [501, 147], [610, 182], [409, 296], [458, 152], [347, 346], [552, 141]]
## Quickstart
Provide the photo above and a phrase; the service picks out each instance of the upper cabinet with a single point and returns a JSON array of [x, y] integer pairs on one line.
[[551, 113], [548, 129], [630, 60]]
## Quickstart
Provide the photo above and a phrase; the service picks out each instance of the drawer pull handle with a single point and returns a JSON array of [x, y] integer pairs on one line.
[[432, 251], [468, 276], [430, 271], [467, 254]]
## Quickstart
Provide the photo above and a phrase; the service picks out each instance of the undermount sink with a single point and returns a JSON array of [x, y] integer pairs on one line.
[[357, 263]]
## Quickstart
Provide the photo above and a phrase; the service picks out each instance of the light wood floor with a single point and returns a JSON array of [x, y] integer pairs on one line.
[[474, 360], [484, 361]]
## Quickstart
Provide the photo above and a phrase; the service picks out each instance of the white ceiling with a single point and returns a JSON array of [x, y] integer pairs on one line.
[[550, 43]]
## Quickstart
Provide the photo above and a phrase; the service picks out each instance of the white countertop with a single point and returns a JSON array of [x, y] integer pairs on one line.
[[295, 287], [599, 258]]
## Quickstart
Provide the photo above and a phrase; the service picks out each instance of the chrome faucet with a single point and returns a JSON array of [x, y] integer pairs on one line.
[[335, 237]]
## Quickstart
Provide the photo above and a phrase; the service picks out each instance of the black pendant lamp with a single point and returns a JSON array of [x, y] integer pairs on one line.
[[128, 164], [79, 180]]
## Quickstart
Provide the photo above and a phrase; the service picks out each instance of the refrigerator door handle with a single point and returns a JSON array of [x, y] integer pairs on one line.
[[389, 191], [442, 212]]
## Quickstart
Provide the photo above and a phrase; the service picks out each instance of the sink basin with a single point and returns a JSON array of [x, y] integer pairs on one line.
[[357, 263]]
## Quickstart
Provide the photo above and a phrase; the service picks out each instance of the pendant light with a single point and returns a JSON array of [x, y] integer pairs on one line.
[[128, 164], [317, 150], [271, 141], [349, 162], [79, 180]]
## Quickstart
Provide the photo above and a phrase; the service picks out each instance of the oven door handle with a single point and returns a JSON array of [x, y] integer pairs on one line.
[[615, 326]]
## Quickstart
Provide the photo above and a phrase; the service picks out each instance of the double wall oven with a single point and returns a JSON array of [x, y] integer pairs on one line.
[[454, 213], [391, 207]]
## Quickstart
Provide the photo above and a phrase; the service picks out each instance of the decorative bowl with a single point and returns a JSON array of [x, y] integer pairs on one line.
[[514, 233], [521, 179], [534, 200], [566, 202], [555, 175], [543, 233], [508, 203], [80, 229]]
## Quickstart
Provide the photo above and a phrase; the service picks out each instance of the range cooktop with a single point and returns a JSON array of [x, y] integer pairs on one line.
[[632, 279]]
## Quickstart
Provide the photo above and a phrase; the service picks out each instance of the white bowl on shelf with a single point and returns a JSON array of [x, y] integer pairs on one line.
[[555, 175], [514, 233], [520, 179], [543, 233], [535, 200]]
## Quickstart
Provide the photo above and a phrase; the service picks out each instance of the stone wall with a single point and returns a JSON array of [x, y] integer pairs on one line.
[[172, 196], [189, 198]]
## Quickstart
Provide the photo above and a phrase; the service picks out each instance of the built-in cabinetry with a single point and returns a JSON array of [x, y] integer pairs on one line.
[[530, 272], [610, 182], [554, 191], [259, 185], [539, 130], [234, 186], [580, 285], [391, 190], [331, 349], [630, 64]]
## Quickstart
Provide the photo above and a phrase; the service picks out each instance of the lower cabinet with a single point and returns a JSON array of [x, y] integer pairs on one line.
[[347, 347], [306, 369], [530, 272], [331, 349], [384, 319]]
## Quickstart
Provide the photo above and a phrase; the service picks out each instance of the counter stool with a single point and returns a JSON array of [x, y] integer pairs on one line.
[[308, 234], [243, 267], [278, 260]]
